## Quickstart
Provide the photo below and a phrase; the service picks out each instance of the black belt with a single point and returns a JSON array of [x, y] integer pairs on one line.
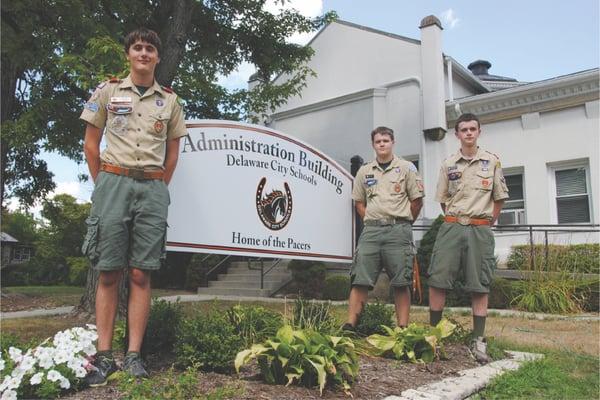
[[386, 221]]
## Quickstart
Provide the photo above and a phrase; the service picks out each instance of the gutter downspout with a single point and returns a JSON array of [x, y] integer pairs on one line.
[[450, 80]]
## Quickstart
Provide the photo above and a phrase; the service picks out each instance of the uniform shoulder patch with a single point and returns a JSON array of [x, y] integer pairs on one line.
[[167, 89], [411, 167]]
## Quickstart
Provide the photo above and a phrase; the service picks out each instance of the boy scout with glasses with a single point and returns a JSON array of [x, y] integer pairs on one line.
[[143, 123], [471, 190], [388, 195]]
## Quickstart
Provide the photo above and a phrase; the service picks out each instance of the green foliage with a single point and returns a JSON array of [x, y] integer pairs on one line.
[[173, 273], [337, 287], [171, 385], [59, 59], [415, 343], [317, 316], [308, 277], [426, 245], [78, 269], [541, 292], [197, 269], [208, 341], [373, 317], [303, 356], [20, 225], [559, 375], [254, 323], [582, 258], [163, 323], [8, 340]]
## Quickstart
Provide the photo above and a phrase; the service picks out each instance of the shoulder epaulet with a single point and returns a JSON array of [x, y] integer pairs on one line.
[[495, 155], [114, 79], [167, 89]]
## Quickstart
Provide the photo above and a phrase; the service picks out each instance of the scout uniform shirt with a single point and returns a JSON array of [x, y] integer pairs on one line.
[[387, 194], [137, 127], [470, 187]]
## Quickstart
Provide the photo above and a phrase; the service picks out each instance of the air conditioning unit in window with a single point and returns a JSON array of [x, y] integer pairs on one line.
[[512, 217]]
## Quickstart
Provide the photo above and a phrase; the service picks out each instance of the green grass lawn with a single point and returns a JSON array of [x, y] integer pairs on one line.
[[561, 374], [44, 290]]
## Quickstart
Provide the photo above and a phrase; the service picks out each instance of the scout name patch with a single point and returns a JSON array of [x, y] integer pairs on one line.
[[453, 176]]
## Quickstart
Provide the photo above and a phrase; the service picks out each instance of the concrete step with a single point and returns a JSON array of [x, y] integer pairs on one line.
[[234, 292], [244, 282], [243, 268], [252, 276], [255, 264], [247, 285]]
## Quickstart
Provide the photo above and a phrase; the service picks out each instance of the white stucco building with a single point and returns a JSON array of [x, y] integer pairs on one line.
[[546, 133]]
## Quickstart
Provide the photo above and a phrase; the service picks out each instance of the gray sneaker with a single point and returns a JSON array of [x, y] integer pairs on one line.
[[478, 350], [100, 370], [134, 366]]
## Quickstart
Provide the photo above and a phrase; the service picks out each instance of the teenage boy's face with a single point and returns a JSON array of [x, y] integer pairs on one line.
[[383, 145], [143, 57], [468, 132]]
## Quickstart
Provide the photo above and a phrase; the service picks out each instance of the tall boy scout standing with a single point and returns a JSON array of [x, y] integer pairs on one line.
[[143, 123], [388, 196], [471, 190]]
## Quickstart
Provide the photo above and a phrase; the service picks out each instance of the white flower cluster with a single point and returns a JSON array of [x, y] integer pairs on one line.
[[68, 348]]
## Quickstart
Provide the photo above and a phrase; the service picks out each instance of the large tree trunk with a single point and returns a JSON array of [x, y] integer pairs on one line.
[[87, 304], [174, 35]]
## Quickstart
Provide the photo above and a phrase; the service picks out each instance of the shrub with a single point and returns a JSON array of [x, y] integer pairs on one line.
[[197, 269], [161, 332], [208, 341], [548, 293], [254, 323], [308, 277], [337, 287], [316, 316], [581, 258], [78, 268], [426, 245], [589, 293], [414, 343], [306, 357], [373, 317], [173, 273], [502, 292]]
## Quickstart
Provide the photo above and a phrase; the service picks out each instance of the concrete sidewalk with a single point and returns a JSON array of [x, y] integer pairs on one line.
[[207, 297]]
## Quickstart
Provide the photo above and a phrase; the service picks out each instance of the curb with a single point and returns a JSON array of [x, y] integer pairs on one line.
[[208, 297], [469, 382]]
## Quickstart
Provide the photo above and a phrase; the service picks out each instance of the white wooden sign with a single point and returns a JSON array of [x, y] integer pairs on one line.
[[249, 190]]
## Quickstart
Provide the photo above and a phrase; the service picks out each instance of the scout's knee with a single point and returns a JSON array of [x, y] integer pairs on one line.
[[109, 278], [138, 277]]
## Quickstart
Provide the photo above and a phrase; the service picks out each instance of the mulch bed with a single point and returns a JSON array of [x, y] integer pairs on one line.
[[377, 378], [19, 302]]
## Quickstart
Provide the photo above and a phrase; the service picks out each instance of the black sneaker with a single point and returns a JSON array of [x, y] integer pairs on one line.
[[134, 366], [348, 327], [101, 369]]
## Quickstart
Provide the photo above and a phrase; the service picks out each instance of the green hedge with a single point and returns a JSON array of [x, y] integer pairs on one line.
[[583, 258], [337, 287], [308, 277]]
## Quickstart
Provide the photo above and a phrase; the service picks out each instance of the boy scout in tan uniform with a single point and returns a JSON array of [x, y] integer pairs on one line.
[[142, 122], [388, 196], [471, 190]]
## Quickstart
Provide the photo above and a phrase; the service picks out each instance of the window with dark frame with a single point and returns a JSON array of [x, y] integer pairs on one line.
[[513, 212], [572, 196]]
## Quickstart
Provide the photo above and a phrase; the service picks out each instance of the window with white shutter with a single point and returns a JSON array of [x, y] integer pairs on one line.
[[572, 195]]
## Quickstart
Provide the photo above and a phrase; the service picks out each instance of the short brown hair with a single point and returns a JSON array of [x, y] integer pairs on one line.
[[144, 35], [382, 130], [467, 117]]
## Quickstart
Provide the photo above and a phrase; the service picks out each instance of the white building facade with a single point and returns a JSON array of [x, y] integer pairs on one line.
[[546, 133]]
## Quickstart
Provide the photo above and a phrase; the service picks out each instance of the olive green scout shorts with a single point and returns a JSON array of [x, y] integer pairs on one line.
[[388, 247], [465, 254], [127, 225]]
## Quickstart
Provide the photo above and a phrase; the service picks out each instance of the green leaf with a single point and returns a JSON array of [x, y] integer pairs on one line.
[[242, 358], [446, 327], [319, 365], [286, 334]]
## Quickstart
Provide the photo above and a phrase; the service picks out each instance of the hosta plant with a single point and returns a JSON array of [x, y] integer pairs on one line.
[[415, 343], [305, 357]]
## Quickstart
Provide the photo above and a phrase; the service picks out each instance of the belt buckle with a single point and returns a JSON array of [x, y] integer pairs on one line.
[[136, 173], [464, 220]]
